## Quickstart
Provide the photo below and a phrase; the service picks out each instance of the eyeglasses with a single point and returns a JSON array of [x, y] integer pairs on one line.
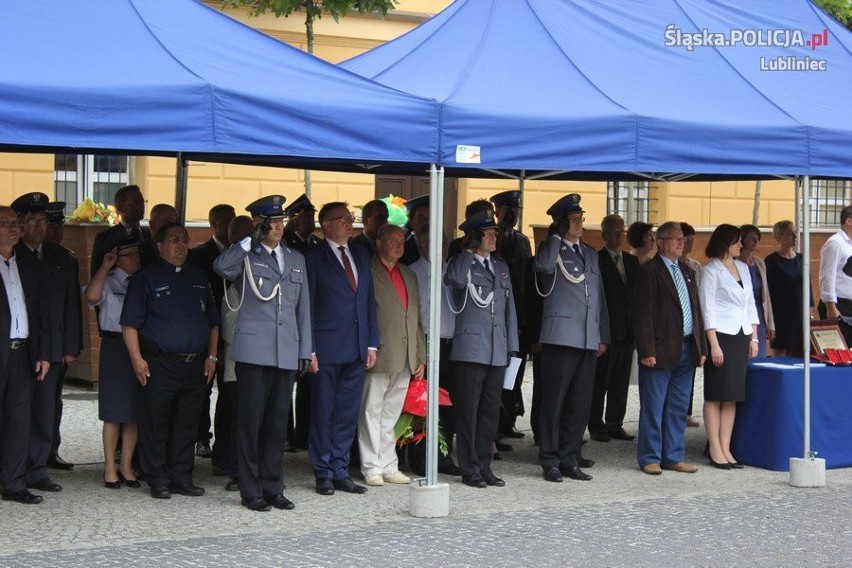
[[10, 224], [346, 218]]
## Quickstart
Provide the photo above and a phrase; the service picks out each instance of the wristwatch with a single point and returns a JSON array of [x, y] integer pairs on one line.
[[213, 358]]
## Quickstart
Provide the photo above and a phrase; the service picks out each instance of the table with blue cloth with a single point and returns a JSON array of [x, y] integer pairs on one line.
[[769, 427]]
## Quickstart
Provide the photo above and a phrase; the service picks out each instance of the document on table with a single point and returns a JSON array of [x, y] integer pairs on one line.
[[511, 373], [770, 365]]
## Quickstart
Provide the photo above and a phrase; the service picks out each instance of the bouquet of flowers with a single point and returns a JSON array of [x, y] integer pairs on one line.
[[97, 213], [410, 428]]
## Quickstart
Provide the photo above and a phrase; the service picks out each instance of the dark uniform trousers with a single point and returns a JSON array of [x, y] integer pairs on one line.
[[169, 407], [567, 382], [43, 425], [16, 384], [477, 410], [225, 424], [57, 413], [612, 381], [263, 394]]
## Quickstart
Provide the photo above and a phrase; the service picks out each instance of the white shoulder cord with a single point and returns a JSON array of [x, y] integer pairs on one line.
[[568, 276], [474, 294], [247, 274]]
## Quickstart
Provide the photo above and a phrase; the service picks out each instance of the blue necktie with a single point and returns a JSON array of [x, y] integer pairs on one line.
[[682, 293]]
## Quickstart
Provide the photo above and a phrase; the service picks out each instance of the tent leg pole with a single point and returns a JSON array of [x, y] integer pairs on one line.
[[427, 498], [181, 178], [807, 471]]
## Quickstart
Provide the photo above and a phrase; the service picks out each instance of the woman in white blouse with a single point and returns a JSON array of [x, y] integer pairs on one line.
[[730, 321]]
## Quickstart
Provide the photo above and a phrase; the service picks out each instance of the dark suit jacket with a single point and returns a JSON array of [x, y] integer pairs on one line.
[[657, 315], [362, 241], [37, 315], [61, 279], [203, 256], [616, 292], [149, 251], [295, 242], [344, 323]]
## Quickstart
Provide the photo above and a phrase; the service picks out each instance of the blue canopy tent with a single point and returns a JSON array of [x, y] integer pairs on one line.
[[175, 76], [593, 89]]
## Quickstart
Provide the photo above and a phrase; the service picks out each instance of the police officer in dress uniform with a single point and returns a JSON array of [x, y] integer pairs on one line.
[[62, 284], [514, 247], [24, 354], [171, 328], [418, 216], [272, 341], [486, 333], [55, 222], [574, 332]]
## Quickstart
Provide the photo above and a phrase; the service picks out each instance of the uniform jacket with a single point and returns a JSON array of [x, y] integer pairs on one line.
[[574, 314], [403, 342], [616, 292], [515, 250], [483, 335], [657, 316], [203, 256], [37, 312], [62, 288], [295, 242], [276, 332], [344, 322]]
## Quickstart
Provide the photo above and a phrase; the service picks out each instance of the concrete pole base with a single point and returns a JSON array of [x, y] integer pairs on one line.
[[807, 472], [428, 501]]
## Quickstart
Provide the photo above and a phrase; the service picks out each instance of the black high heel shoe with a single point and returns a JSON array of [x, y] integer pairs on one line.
[[718, 465], [112, 484], [736, 465], [129, 482]]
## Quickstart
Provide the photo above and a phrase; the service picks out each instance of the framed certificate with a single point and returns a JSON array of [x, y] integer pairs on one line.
[[827, 337]]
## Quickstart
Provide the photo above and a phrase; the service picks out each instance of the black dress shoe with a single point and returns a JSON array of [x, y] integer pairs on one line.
[[187, 489], [134, 483], [202, 450], [717, 465], [24, 497], [575, 472], [496, 456], [493, 481], [290, 448], [112, 484], [474, 481], [279, 502], [56, 462], [348, 486], [325, 487], [255, 504], [46, 484], [503, 447], [232, 485], [736, 465], [620, 434], [585, 462], [219, 472], [553, 474], [160, 492], [599, 436], [513, 433], [449, 469]]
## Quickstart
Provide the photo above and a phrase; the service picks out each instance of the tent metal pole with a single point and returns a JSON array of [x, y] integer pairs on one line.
[[181, 178], [806, 308], [521, 199], [436, 216]]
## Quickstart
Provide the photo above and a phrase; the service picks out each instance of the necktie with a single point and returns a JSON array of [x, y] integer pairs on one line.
[[347, 266], [275, 259], [619, 265], [36, 255], [685, 306], [579, 254], [487, 266]]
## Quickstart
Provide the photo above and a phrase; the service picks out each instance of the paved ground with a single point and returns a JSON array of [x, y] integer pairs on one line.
[[750, 517]]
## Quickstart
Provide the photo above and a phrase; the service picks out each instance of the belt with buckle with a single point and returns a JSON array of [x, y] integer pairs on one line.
[[181, 357], [17, 343]]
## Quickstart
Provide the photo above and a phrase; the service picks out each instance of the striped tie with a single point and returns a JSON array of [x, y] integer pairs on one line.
[[685, 306]]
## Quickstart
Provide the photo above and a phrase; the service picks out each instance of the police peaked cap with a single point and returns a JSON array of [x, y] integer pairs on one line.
[[56, 212], [482, 220], [510, 199], [31, 202], [566, 206], [269, 206], [302, 203], [416, 202]]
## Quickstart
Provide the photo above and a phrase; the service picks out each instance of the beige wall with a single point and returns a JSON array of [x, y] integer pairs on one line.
[[702, 204]]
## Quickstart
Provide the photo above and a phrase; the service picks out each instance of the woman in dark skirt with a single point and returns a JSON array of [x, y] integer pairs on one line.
[[117, 386], [730, 321]]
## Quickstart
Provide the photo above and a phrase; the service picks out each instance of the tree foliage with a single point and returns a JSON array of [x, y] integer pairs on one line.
[[314, 9], [840, 10]]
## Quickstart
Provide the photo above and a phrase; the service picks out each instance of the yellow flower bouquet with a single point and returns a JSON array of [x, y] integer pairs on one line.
[[96, 213]]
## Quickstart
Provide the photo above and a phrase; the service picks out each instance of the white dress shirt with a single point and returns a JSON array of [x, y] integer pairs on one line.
[[726, 306], [19, 323], [833, 282]]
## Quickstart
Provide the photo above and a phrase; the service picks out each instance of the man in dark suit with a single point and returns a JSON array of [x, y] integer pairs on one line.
[[612, 376], [299, 231], [62, 286], [202, 256], [346, 338], [130, 205], [418, 217], [669, 332], [373, 216], [24, 354]]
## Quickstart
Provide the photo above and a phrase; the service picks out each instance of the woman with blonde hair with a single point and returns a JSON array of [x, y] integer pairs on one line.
[[785, 277]]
